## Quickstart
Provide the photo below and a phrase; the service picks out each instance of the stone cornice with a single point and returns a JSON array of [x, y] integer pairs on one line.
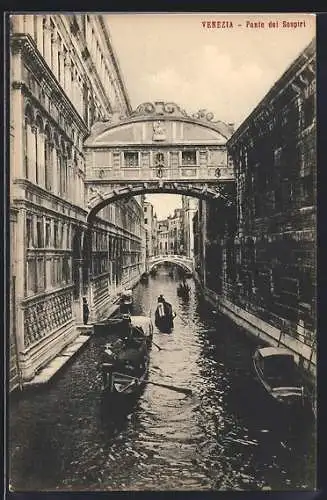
[[86, 60], [115, 63], [36, 102], [47, 195], [25, 44]]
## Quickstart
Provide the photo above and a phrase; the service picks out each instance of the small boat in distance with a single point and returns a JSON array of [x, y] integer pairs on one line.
[[278, 373], [126, 301], [144, 277], [183, 290]]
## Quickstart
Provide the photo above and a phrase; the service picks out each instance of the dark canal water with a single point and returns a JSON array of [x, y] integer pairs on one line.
[[224, 437]]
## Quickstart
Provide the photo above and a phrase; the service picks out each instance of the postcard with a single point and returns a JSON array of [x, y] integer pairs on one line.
[[162, 288]]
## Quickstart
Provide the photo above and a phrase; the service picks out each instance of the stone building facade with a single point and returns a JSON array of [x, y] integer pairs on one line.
[[265, 263], [176, 232], [63, 77], [151, 229], [163, 237], [190, 206]]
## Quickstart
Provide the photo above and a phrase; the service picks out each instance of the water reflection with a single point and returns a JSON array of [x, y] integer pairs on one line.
[[71, 437]]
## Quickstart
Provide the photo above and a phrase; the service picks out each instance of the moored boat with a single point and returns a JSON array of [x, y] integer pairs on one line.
[[125, 363], [126, 301], [143, 324], [277, 372], [144, 278]]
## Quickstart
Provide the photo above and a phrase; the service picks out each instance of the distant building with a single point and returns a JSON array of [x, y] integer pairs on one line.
[[190, 206], [150, 224], [163, 237], [155, 235], [176, 232]]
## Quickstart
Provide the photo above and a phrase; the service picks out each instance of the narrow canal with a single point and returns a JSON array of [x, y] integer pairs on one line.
[[64, 436]]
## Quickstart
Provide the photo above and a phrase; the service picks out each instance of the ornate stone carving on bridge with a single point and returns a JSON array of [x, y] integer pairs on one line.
[[171, 109], [160, 108], [203, 114], [159, 131]]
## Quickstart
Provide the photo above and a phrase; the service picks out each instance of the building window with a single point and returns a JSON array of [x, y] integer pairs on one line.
[[39, 233], [62, 236], [36, 138], [65, 270], [55, 235], [86, 104], [44, 34], [59, 59], [47, 161], [145, 221], [309, 110], [278, 157], [40, 275], [47, 233], [31, 276], [48, 273], [58, 271], [25, 142], [35, 27], [62, 164], [52, 27], [29, 232], [188, 158], [131, 159], [65, 61]]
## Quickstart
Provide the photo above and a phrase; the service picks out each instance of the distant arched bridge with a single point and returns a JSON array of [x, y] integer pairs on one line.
[[178, 260]]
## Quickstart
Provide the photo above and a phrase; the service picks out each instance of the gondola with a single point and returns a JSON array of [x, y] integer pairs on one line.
[[278, 374], [126, 301], [145, 325], [144, 278], [164, 317], [125, 364]]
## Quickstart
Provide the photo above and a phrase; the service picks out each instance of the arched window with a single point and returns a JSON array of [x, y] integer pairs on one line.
[[27, 132], [39, 153], [44, 35], [64, 169], [48, 147]]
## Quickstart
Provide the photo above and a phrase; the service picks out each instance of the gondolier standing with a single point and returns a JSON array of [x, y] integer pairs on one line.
[[164, 315]]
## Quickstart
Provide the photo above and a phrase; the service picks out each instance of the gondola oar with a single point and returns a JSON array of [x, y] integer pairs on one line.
[[141, 331], [158, 347], [188, 392]]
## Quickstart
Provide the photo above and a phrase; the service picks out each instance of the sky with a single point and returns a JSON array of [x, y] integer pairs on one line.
[[172, 57]]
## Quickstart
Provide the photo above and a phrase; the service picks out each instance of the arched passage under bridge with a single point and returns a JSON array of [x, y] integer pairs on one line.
[[205, 192]]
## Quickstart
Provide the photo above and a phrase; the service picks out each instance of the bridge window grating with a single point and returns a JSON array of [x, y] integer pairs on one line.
[[131, 159], [189, 157]]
